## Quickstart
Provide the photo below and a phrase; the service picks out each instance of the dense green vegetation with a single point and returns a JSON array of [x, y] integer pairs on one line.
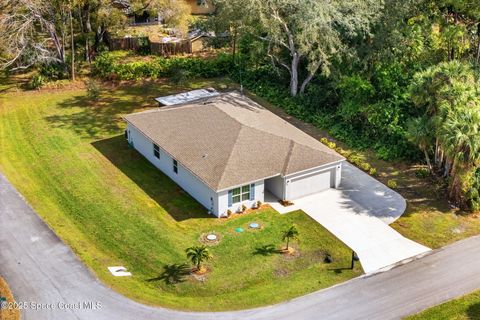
[[395, 77], [67, 155], [117, 65]]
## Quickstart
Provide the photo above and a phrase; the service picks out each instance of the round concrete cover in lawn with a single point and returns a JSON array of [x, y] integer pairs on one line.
[[254, 225], [211, 237]]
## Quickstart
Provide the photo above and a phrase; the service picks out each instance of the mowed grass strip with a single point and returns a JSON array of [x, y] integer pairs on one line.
[[464, 308], [67, 156]]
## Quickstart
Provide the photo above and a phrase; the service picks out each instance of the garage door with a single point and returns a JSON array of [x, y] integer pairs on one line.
[[306, 185]]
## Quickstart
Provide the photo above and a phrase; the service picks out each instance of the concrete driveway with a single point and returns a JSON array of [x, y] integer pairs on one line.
[[358, 214]]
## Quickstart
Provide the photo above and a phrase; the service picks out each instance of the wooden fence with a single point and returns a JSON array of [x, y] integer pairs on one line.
[[159, 48], [127, 43], [170, 48]]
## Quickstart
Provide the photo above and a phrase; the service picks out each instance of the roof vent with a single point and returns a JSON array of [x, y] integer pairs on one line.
[[205, 155]]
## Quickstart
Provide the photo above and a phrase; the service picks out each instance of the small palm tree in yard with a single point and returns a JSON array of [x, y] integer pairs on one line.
[[198, 254], [289, 234]]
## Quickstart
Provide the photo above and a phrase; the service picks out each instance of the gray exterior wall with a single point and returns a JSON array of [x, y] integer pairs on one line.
[[216, 202], [276, 186], [185, 179]]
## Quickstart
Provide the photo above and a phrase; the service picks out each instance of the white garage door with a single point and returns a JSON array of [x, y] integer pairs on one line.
[[306, 185]]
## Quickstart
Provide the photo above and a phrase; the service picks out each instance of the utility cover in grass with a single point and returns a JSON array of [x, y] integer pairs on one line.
[[254, 225], [239, 229], [211, 237]]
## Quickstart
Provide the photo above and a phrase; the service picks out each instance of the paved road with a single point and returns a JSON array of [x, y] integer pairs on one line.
[[40, 268]]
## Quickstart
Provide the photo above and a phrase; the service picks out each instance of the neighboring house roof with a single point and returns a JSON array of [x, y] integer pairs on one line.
[[188, 96], [230, 140]]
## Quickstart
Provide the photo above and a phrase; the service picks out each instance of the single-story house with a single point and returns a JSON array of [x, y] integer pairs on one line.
[[227, 151]]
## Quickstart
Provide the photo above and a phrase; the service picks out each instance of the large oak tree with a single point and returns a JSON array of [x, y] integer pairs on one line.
[[309, 32]]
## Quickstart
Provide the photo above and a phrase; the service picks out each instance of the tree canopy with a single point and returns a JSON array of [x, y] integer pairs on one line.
[[305, 32], [38, 31]]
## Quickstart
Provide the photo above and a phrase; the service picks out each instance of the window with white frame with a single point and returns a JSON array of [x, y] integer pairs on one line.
[[241, 194], [156, 151]]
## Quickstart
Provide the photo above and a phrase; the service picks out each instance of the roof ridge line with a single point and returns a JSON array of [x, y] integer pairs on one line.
[[271, 133], [289, 155], [294, 141], [228, 159]]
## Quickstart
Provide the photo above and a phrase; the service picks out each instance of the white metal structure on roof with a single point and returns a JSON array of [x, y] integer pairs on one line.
[[187, 96]]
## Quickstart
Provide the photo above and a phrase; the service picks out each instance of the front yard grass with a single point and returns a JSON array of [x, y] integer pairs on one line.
[[68, 157], [464, 308]]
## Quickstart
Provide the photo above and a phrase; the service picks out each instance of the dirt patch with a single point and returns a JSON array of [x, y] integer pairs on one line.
[[281, 272], [200, 275], [6, 296], [291, 253]]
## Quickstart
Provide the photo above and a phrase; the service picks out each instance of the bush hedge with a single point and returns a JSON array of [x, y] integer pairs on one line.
[[107, 66], [392, 184]]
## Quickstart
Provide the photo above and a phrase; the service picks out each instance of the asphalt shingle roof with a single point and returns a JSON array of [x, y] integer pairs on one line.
[[230, 140]]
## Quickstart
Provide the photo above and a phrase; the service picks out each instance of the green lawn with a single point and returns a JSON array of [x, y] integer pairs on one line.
[[465, 308], [68, 158]]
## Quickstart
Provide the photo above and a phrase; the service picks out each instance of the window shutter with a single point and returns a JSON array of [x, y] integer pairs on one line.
[[252, 191], [230, 200]]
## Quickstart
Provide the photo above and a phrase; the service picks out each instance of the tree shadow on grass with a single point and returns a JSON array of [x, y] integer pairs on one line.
[[339, 270], [103, 117], [266, 250], [473, 311], [173, 273], [179, 204]]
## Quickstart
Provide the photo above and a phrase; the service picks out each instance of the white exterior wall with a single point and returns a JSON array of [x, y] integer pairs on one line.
[[223, 200], [338, 175], [335, 176], [276, 186], [185, 179]]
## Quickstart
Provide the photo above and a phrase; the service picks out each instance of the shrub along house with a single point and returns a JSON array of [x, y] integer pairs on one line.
[[227, 152]]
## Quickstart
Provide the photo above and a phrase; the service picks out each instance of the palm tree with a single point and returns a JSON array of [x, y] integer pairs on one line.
[[440, 90], [460, 138], [419, 132], [198, 254], [290, 234]]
